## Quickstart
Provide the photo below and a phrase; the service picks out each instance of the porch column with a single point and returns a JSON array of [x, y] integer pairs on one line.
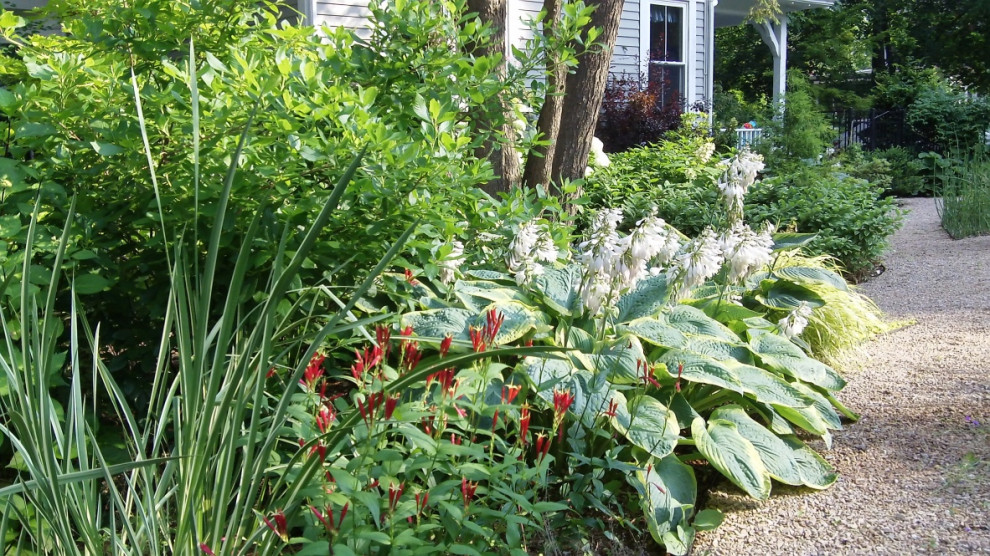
[[775, 36]]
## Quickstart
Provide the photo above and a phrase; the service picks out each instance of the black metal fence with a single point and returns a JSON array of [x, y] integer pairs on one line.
[[877, 129]]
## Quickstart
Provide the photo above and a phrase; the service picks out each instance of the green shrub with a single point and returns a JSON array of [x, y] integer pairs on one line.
[[852, 219], [950, 118], [964, 200], [803, 133], [906, 172]]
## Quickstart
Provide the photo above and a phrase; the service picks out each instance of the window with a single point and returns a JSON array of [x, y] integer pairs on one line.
[[666, 67]]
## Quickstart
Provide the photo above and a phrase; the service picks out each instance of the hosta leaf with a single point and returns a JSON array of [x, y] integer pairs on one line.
[[822, 405], [519, 320], [560, 289], [667, 492], [719, 349], [783, 241], [476, 294], [591, 392], [678, 541], [689, 320], [438, 323], [779, 354], [655, 331], [619, 358], [708, 520], [811, 275], [648, 298], [787, 459], [491, 275], [733, 455], [648, 424], [787, 295], [768, 387], [699, 368]]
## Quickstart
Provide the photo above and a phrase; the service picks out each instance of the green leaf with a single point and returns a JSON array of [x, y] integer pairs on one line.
[[769, 388], [519, 320], [33, 129], [787, 295], [787, 461], [105, 149], [438, 323], [619, 359], [779, 354], [7, 99], [690, 320], [699, 368], [667, 493], [9, 226], [811, 275], [678, 541], [90, 283], [719, 349], [708, 520], [648, 298], [477, 294], [649, 424], [733, 455], [559, 287], [785, 241], [655, 331], [592, 393]]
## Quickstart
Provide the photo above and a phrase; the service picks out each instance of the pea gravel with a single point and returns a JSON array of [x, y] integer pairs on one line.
[[915, 470]]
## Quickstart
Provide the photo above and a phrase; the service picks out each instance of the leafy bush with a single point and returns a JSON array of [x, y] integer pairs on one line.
[[852, 219], [632, 114], [964, 200], [906, 172], [804, 132], [949, 118]]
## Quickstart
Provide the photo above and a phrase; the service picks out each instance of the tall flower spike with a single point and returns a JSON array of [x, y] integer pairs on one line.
[[281, 525], [467, 491], [524, 417], [313, 372], [445, 345]]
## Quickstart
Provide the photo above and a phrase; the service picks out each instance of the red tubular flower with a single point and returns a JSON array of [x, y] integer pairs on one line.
[[680, 369], [455, 440], [421, 502], [321, 449], [477, 339], [407, 331], [394, 493], [445, 345], [495, 421], [524, 417], [411, 355], [280, 527], [324, 418], [646, 373], [271, 372], [206, 549], [409, 277], [383, 337], [493, 322], [390, 403], [313, 372], [319, 515], [613, 406], [368, 410], [510, 392], [467, 491], [562, 400], [542, 446]]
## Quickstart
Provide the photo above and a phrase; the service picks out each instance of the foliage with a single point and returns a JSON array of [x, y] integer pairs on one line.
[[633, 113], [852, 220], [804, 132], [950, 118], [964, 200], [906, 172], [731, 110]]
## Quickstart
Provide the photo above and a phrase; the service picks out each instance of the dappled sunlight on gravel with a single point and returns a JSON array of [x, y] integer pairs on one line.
[[915, 470]]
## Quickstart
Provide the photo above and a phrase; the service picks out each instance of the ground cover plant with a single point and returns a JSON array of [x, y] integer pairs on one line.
[[469, 380], [964, 200]]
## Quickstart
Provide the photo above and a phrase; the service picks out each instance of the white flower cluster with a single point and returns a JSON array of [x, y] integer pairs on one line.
[[699, 259], [452, 262], [794, 323], [740, 174], [614, 264], [532, 245], [705, 152], [746, 251]]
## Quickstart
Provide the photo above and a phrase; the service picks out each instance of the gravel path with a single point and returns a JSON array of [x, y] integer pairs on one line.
[[915, 470]]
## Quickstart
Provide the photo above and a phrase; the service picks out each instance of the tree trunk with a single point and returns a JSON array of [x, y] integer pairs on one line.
[[539, 164], [584, 92], [499, 148]]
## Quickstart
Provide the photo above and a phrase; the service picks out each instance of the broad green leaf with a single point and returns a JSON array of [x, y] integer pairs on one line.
[[821, 404], [779, 354], [476, 294], [787, 295], [34, 129], [655, 331], [678, 541], [560, 289], [690, 320], [647, 299], [708, 520], [768, 387], [105, 149], [90, 283], [787, 460], [592, 393], [719, 349], [733, 455], [491, 275], [438, 323], [9, 226], [619, 359], [699, 368], [667, 493], [784, 241], [808, 418], [519, 319], [811, 275], [648, 424]]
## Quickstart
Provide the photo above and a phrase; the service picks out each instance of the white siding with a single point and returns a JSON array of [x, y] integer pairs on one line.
[[696, 66], [626, 56], [519, 13], [352, 14]]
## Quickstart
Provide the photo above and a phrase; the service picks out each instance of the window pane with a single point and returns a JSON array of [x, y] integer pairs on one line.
[[667, 82], [666, 33]]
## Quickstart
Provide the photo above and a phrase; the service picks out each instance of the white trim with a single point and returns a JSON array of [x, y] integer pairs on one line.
[[690, 72], [511, 28], [686, 34]]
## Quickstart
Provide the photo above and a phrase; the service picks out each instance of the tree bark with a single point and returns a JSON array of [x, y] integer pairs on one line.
[[584, 92], [499, 147], [539, 164]]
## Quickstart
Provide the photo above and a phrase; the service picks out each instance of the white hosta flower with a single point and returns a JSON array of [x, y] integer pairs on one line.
[[740, 174], [452, 262], [746, 251], [531, 245], [653, 240], [596, 292], [795, 322], [700, 259]]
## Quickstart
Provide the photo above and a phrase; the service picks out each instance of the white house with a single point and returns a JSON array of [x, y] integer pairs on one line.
[[670, 42]]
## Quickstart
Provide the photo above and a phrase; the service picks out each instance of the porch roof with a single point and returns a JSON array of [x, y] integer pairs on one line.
[[733, 12]]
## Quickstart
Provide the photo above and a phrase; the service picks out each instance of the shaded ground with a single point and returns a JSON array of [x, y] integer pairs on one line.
[[915, 471]]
